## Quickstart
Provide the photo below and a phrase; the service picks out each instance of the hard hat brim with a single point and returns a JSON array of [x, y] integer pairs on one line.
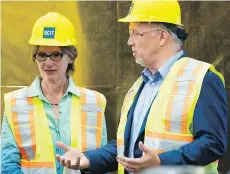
[[131, 18], [43, 42], [128, 19]]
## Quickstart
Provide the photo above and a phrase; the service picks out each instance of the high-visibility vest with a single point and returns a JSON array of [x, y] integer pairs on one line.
[[29, 125], [169, 121]]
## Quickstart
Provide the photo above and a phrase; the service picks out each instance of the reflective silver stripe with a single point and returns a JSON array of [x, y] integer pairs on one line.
[[40, 170], [91, 138], [163, 144], [21, 105], [91, 108], [91, 119], [22, 108], [24, 118], [71, 171], [176, 114], [21, 93], [21, 101], [181, 96], [187, 74], [90, 97], [26, 138], [120, 150]]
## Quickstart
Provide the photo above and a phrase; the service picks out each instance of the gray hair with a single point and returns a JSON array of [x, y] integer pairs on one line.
[[170, 28], [175, 38], [71, 51]]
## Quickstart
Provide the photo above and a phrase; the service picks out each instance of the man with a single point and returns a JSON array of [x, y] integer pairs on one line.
[[175, 113]]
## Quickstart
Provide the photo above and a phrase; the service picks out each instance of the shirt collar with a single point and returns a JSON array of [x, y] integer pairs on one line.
[[34, 89], [72, 87], [161, 72], [148, 76], [166, 67]]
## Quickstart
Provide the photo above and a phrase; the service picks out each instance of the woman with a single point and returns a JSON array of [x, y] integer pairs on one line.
[[52, 108]]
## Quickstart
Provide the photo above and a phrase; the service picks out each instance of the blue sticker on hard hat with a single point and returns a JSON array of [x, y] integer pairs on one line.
[[49, 32]]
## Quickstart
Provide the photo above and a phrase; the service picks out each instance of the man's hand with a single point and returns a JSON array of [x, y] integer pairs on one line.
[[134, 165], [73, 158]]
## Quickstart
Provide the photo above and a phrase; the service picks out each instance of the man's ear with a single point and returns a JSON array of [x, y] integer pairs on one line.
[[164, 36]]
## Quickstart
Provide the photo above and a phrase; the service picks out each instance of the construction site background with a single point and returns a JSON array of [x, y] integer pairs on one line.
[[105, 62]]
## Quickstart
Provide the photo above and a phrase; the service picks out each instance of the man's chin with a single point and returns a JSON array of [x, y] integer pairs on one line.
[[139, 62]]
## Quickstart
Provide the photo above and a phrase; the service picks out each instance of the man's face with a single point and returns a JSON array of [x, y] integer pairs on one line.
[[145, 43]]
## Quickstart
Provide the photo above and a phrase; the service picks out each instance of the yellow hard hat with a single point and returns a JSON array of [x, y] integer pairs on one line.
[[53, 29], [167, 11]]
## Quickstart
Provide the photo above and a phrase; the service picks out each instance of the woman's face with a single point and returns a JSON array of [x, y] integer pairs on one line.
[[52, 70]]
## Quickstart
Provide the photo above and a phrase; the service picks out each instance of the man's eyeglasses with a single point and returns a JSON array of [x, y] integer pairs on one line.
[[55, 56], [134, 33]]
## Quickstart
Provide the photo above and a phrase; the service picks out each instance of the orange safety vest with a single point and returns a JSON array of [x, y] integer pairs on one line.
[[29, 125], [171, 114]]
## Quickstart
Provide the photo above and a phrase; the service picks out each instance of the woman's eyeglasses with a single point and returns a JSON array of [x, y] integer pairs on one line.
[[55, 56]]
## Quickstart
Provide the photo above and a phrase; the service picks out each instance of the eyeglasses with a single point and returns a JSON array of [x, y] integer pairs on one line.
[[54, 56], [134, 33]]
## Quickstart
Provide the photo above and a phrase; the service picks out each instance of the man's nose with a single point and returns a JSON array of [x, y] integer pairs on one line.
[[130, 41]]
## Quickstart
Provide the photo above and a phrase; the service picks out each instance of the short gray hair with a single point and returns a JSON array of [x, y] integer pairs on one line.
[[175, 37], [178, 37]]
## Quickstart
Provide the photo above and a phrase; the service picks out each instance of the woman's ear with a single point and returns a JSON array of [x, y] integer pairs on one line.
[[71, 60]]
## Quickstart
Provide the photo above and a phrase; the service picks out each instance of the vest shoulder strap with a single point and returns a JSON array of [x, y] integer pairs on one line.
[[18, 94], [92, 97]]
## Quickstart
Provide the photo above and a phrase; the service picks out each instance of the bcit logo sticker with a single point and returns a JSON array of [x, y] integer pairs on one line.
[[49, 32]]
